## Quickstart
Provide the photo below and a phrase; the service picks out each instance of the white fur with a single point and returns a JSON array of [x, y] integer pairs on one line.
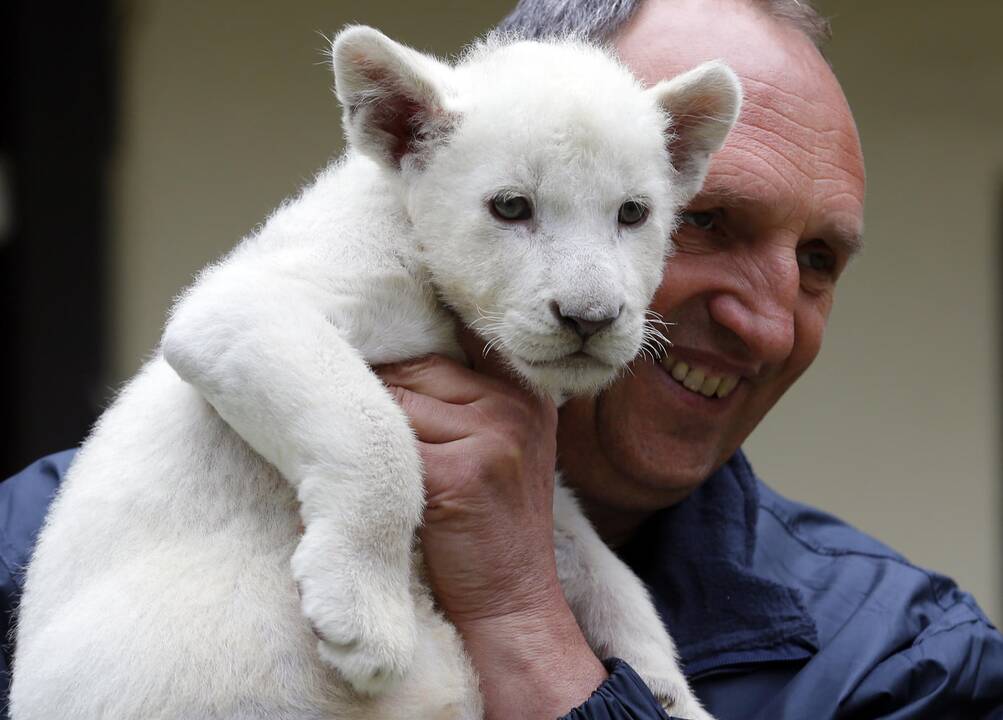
[[258, 440]]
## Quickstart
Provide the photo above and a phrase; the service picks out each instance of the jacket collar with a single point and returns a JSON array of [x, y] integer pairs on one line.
[[697, 559]]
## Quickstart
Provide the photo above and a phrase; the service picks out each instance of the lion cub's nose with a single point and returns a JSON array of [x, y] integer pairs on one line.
[[585, 323]]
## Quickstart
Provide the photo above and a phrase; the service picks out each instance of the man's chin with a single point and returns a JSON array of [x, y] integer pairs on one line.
[[665, 450], [663, 476]]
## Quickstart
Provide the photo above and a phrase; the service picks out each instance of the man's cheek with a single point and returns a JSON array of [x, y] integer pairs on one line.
[[809, 329]]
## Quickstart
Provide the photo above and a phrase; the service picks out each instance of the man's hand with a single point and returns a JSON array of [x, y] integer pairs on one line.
[[489, 451]]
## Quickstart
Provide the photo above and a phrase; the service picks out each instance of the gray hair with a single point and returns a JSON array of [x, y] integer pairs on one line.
[[601, 19]]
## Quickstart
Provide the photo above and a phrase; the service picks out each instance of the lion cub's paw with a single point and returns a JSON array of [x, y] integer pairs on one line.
[[368, 634], [669, 687]]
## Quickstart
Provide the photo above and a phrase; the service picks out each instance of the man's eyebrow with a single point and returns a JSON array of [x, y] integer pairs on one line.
[[852, 243], [847, 236]]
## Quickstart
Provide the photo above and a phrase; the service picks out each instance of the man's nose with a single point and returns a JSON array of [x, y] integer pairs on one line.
[[759, 308]]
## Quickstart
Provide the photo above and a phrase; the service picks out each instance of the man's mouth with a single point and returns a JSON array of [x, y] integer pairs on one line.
[[699, 380]]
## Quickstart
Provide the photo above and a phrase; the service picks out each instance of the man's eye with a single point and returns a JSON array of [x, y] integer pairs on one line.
[[700, 220], [511, 208], [817, 257]]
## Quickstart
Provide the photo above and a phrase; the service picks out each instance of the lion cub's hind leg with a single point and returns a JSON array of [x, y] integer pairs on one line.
[[614, 610]]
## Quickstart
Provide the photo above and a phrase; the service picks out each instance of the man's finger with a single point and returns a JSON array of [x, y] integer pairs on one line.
[[433, 420], [447, 469], [439, 377]]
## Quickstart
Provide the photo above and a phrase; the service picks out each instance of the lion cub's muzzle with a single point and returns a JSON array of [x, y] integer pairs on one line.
[[585, 322]]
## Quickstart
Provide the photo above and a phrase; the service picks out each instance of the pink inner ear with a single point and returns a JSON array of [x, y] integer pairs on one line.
[[393, 111], [403, 119], [397, 114], [681, 141]]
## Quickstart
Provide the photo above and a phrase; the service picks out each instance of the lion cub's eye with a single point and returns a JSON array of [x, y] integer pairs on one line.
[[632, 213], [511, 208]]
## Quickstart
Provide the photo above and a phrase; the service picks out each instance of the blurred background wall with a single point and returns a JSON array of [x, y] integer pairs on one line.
[[224, 109]]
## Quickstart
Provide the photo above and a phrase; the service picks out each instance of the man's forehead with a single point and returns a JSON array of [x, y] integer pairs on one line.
[[779, 65], [666, 37], [795, 149]]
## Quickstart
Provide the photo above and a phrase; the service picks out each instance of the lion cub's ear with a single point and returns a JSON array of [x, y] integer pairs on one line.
[[393, 96], [703, 105]]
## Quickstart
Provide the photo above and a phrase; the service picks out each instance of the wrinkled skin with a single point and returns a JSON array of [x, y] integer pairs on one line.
[[750, 290], [786, 192]]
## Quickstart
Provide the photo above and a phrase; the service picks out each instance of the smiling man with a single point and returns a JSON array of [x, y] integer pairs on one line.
[[760, 250], [779, 611]]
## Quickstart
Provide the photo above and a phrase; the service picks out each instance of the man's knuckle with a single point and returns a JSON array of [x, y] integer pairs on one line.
[[503, 463]]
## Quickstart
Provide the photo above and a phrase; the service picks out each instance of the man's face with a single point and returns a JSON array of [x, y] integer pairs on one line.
[[751, 285]]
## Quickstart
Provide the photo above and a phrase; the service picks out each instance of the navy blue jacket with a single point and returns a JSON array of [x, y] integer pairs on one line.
[[779, 611]]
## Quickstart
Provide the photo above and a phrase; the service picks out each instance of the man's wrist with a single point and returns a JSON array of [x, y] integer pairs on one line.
[[533, 662]]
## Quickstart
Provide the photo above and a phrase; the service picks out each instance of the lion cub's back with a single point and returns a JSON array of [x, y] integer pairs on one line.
[[166, 550]]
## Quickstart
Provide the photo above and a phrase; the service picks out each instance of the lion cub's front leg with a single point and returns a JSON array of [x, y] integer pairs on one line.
[[283, 377], [614, 610], [361, 610], [352, 565]]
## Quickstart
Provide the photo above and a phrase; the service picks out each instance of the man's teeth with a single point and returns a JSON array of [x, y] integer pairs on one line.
[[699, 380]]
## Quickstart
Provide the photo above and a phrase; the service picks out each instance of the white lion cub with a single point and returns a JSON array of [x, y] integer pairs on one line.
[[235, 539]]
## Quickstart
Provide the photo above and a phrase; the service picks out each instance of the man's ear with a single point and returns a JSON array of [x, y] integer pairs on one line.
[[393, 96], [703, 105]]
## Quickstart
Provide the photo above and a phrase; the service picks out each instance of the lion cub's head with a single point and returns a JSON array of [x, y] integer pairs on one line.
[[543, 184]]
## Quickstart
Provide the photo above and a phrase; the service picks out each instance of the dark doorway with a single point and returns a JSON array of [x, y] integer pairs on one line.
[[57, 115]]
